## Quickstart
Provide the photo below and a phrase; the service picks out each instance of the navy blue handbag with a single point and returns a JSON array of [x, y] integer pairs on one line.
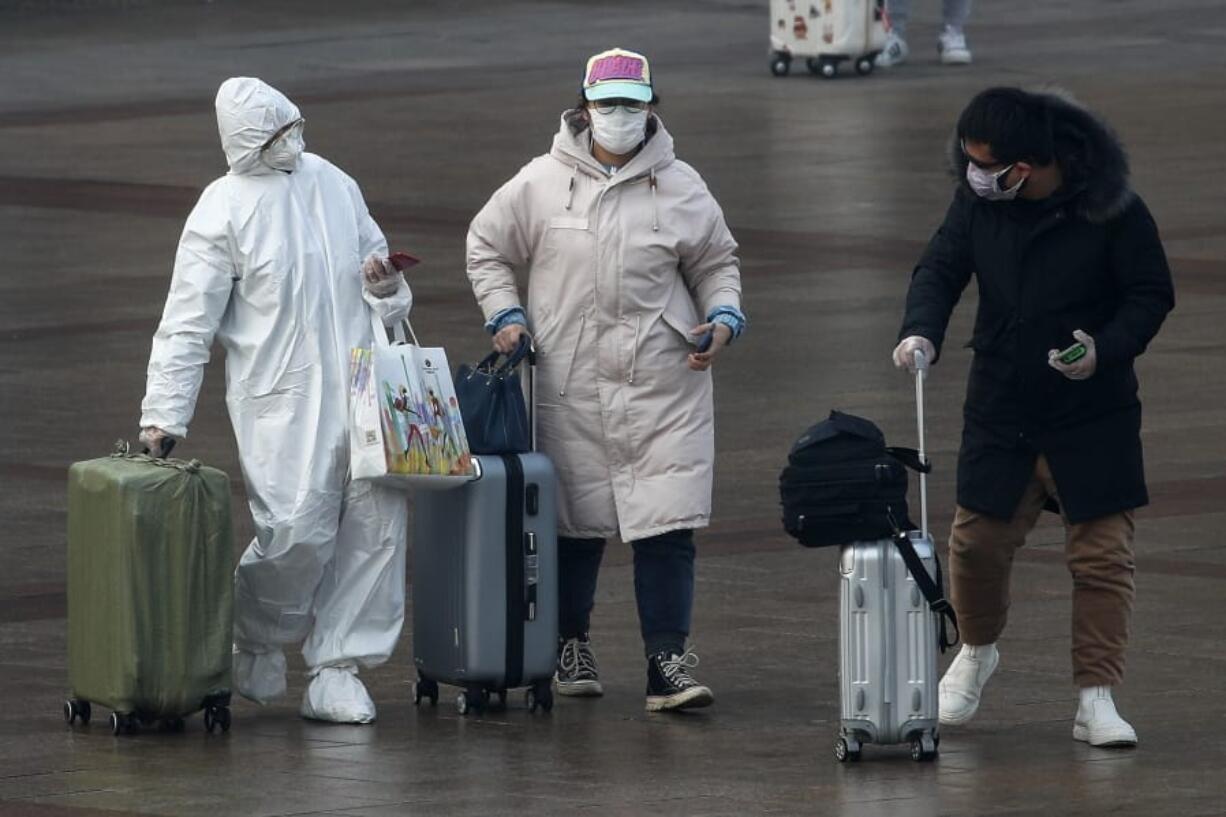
[[492, 403]]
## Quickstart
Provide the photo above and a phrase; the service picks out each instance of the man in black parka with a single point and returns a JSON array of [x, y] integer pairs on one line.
[[1065, 255]]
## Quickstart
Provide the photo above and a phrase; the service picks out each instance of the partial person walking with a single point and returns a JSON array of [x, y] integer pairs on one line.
[[633, 291], [951, 42], [271, 264], [1065, 255]]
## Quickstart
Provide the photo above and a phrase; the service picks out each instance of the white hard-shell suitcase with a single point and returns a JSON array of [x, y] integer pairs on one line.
[[889, 635], [826, 33]]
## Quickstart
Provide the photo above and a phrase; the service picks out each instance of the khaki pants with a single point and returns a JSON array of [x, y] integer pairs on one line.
[[1099, 555]]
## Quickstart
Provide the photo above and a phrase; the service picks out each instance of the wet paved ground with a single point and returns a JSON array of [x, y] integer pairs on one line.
[[106, 136]]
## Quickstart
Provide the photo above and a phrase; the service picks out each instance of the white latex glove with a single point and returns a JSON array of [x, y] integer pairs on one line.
[[379, 276], [1082, 369], [154, 439], [904, 352]]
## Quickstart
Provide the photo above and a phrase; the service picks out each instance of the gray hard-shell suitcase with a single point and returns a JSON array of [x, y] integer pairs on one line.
[[888, 636], [485, 583]]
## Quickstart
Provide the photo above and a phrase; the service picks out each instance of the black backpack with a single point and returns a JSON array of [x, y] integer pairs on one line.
[[843, 484]]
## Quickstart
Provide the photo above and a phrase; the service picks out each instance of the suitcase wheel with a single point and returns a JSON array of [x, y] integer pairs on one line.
[[124, 723], [539, 696], [217, 717], [781, 63], [864, 66], [76, 710], [425, 689], [846, 751], [472, 699], [923, 748], [823, 67]]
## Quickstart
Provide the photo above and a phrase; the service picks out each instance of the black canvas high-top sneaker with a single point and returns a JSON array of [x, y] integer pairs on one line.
[[577, 675], [670, 685]]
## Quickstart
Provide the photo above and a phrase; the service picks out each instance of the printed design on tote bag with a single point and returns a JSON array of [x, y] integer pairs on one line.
[[424, 435], [405, 404]]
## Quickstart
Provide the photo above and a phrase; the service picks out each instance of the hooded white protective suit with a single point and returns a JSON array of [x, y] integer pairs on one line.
[[269, 264]]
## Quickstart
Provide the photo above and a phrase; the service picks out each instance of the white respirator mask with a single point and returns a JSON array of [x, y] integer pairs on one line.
[[283, 152], [619, 131], [986, 184]]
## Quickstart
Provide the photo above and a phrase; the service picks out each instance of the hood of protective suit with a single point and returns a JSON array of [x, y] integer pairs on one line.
[[249, 113]]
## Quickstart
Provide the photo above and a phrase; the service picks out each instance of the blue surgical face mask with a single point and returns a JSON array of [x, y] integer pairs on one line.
[[986, 183]]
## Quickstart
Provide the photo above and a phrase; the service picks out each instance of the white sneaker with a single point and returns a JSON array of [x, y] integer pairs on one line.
[[962, 685], [1098, 723], [951, 45], [336, 695], [894, 53], [259, 676]]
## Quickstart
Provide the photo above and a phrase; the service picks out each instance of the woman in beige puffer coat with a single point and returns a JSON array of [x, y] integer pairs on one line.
[[622, 254]]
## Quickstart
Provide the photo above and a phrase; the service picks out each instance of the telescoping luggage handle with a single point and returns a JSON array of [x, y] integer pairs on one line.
[[921, 369], [933, 589]]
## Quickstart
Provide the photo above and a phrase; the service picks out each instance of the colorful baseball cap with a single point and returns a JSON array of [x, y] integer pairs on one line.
[[618, 74]]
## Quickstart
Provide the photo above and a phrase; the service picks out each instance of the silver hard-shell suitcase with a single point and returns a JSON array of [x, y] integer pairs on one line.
[[887, 651], [485, 583], [888, 637]]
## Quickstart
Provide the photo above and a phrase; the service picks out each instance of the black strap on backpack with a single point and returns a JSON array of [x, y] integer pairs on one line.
[[910, 458], [933, 590]]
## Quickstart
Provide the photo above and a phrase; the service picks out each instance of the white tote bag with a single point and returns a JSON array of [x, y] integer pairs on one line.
[[405, 426]]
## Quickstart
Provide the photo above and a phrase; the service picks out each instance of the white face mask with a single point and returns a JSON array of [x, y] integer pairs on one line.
[[986, 184], [619, 132], [283, 153]]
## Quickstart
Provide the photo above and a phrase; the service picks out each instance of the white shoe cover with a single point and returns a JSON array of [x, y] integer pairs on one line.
[[1098, 723], [963, 682], [335, 694], [259, 676]]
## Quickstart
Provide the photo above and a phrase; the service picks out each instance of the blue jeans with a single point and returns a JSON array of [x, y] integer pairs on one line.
[[663, 587]]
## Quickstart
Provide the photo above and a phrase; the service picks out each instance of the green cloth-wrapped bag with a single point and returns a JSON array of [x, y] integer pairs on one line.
[[150, 585]]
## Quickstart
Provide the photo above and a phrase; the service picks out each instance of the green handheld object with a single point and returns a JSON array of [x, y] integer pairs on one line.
[[1072, 354]]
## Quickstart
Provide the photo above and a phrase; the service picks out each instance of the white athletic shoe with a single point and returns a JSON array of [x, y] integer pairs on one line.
[[1098, 723], [962, 685], [894, 53], [951, 45], [335, 694], [259, 676]]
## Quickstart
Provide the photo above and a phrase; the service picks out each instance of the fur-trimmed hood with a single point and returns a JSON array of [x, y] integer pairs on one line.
[[1091, 157]]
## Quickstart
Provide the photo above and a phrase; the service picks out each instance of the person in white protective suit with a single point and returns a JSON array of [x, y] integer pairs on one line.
[[271, 264]]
